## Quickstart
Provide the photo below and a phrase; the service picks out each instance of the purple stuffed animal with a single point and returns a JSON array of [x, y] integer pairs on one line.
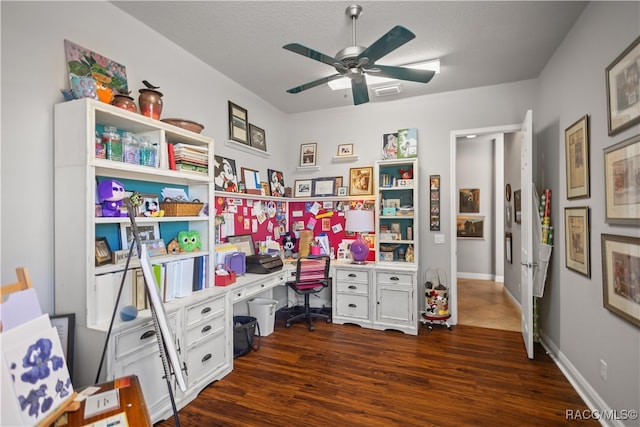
[[110, 194]]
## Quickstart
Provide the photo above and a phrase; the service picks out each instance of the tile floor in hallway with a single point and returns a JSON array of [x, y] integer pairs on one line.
[[485, 303]]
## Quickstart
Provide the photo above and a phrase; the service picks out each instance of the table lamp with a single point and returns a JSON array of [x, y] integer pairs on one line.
[[359, 221]]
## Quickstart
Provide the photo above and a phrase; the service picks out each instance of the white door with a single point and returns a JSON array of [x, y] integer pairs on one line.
[[526, 257]]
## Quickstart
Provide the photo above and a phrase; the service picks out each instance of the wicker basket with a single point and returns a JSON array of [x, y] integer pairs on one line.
[[172, 208]]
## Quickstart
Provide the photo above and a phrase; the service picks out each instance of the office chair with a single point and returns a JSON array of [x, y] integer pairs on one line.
[[312, 276]]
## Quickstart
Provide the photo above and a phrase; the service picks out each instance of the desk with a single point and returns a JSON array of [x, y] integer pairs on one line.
[[131, 402]]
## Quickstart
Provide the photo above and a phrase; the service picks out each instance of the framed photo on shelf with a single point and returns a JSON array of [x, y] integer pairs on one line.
[[338, 184], [302, 188], [577, 241], [342, 191], [308, 154], [323, 187], [65, 324], [470, 227], [361, 181], [146, 231], [345, 150], [620, 256], [622, 192], [623, 89], [150, 204], [276, 183], [225, 174], [264, 188], [238, 124], [390, 146], [103, 251], [576, 142], [251, 179], [257, 137]]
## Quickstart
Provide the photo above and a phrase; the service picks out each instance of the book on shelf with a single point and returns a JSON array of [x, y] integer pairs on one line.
[[191, 167]]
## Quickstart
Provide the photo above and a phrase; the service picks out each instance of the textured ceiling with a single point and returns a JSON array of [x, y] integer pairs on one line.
[[479, 43]]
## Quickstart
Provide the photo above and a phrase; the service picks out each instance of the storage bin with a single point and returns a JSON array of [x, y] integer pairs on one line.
[[244, 328], [264, 310]]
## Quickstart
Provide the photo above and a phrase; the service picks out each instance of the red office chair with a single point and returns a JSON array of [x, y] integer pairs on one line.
[[312, 276]]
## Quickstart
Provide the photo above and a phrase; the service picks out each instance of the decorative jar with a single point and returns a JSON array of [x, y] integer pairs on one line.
[[125, 102], [150, 101]]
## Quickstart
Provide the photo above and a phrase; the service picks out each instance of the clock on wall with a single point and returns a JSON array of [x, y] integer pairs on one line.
[[507, 192]]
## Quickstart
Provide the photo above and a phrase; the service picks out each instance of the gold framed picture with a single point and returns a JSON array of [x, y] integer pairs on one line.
[[622, 190], [576, 140], [623, 89], [621, 295], [577, 241], [361, 181]]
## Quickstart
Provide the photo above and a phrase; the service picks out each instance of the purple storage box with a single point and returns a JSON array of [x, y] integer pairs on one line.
[[237, 262]]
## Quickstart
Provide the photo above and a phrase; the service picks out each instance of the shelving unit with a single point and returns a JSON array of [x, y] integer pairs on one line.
[[87, 290]]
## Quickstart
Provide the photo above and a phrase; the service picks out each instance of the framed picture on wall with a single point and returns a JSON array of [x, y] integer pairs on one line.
[[508, 247], [251, 179], [361, 181], [225, 174], [622, 192], [257, 137], [620, 256], [577, 242], [323, 187], [302, 188], [308, 154], [623, 89], [517, 206], [576, 142], [470, 227], [276, 183], [469, 200], [238, 124]]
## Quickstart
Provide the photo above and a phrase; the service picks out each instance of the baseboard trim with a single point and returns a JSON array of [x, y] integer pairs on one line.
[[591, 398], [478, 276]]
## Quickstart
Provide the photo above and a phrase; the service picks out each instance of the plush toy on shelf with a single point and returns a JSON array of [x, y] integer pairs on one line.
[[189, 241], [110, 195], [289, 244]]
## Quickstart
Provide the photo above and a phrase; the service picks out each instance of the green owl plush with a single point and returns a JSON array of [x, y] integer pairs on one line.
[[189, 241]]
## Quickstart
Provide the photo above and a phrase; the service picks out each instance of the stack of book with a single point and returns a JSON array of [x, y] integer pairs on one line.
[[188, 158]]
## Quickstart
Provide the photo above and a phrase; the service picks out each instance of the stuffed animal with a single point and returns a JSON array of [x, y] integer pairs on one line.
[[289, 244], [189, 241], [110, 194]]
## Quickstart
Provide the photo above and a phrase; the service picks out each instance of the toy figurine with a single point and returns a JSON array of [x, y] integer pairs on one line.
[[110, 194], [173, 247], [289, 244], [189, 241]]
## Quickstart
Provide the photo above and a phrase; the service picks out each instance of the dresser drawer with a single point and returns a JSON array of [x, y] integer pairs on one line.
[[356, 306], [205, 358], [139, 338], [204, 329], [352, 275], [205, 309], [397, 278], [350, 287]]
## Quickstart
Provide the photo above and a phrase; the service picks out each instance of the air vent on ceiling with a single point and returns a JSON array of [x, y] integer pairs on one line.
[[387, 90]]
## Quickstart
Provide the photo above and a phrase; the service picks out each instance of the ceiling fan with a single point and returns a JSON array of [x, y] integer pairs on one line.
[[356, 61]]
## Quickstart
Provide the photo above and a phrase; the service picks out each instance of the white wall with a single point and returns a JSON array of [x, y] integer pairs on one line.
[[512, 176], [475, 167], [34, 71], [572, 316]]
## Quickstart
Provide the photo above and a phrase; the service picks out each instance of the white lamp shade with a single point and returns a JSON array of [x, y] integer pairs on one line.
[[359, 221]]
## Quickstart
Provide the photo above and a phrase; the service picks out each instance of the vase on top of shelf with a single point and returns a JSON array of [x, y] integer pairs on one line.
[[150, 101], [124, 101]]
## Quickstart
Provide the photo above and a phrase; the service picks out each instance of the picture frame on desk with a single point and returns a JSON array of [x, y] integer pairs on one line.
[[103, 251]]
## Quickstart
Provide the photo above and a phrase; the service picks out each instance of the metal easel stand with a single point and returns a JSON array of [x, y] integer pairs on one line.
[[168, 372]]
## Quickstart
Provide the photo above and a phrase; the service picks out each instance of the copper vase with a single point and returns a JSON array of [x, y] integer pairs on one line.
[[150, 102], [125, 102]]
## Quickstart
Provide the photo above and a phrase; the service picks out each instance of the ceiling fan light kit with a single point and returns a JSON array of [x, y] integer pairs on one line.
[[356, 62]]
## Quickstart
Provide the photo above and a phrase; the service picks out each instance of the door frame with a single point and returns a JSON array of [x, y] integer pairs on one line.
[[453, 138]]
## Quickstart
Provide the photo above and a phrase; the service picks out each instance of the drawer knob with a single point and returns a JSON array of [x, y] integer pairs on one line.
[[352, 275], [206, 357], [394, 278], [353, 287], [352, 305], [148, 334], [205, 310], [206, 329]]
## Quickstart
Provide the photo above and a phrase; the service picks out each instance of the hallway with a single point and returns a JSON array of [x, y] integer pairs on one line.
[[486, 304]]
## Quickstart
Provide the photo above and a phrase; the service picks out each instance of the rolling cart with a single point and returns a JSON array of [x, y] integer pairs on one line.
[[436, 299]]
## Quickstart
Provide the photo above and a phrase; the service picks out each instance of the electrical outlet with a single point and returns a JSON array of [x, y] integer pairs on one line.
[[603, 370]]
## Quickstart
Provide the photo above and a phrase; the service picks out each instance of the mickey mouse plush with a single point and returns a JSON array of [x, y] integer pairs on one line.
[[289, 244]]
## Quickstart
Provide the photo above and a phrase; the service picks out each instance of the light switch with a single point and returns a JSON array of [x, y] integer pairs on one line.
[[439, 239]]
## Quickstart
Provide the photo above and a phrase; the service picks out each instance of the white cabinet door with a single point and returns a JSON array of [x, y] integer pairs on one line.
[[393, 304]]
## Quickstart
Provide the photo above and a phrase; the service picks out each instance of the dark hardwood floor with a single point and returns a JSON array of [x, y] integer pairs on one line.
[[343, 375]]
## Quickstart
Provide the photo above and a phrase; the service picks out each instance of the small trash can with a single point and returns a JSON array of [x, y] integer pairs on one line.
[[264, 310]]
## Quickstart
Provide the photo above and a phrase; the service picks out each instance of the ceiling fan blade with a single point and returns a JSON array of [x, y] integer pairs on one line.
[[314, 83], [402, 73], [360, 91], [394, 38], [310, 53]]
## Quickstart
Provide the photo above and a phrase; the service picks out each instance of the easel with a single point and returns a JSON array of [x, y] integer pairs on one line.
[[130, 203], [24, 283]]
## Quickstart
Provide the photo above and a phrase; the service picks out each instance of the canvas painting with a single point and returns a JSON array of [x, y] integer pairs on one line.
[[469, 200], [390, 146], [225, 175], [407, 143], [82, 62], [37, 366], [276, 183]]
